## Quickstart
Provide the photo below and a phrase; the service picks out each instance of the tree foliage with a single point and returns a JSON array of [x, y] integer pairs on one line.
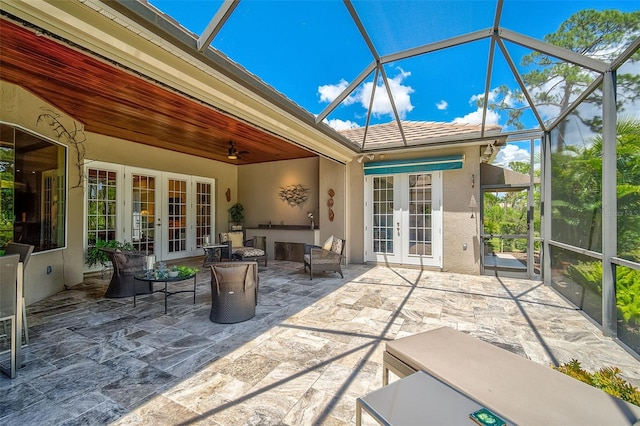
[[555, 83], [577, 193], [506, 213]]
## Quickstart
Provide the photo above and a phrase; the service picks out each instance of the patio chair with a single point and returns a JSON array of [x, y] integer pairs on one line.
[[234, 291], [9, 264], [25, 251], [125, 265], [326, 258], [239, 248]]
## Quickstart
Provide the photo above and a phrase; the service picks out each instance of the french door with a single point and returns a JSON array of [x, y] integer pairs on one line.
[[143, 211], [403, 218], [160, 213]]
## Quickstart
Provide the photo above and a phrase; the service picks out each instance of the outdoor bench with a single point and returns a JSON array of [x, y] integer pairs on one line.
[[508, 384]]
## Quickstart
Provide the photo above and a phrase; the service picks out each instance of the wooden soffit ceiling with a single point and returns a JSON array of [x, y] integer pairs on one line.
[[111, 100]]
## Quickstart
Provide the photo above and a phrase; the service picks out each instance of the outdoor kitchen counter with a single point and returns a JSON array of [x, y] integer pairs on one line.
[[284, 233]]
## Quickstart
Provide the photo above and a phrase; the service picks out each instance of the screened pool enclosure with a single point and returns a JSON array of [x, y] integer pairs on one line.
[[559, 80]]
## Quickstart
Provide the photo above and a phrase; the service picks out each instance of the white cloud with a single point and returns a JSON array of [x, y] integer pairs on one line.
[[331, 91], [510, 153], [381, 104], [442, 105], [337, 124], [475, 117]]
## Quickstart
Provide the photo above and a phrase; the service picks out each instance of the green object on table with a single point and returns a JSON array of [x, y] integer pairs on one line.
[[485, 417], [185, 271]]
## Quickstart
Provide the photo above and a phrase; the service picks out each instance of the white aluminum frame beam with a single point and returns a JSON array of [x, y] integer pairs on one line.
[[346, 92], [215, 25], [609, 204], [439, 45], [523, 87], [555, 51], [379, 66], [487, 85]]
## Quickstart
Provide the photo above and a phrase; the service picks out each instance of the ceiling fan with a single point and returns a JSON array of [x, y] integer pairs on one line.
[[233, 153]]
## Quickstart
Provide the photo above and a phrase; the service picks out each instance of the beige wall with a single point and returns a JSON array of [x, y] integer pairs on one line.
[[332, 176], [459, 228], [261, 183], [355, 211], [22, 108]]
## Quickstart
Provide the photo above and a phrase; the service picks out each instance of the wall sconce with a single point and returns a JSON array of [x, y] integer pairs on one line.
[[473, 180], [489, 150], [473, 205]]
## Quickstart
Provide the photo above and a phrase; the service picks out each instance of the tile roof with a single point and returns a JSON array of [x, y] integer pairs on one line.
[[417, 133]]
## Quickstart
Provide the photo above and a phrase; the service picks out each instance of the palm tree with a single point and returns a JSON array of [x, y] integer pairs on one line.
[[577, 192]]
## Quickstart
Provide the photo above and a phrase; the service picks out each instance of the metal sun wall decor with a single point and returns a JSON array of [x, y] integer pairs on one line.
[[294, 195]]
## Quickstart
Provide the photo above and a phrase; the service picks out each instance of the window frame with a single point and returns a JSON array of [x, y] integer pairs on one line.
[[65, 190]]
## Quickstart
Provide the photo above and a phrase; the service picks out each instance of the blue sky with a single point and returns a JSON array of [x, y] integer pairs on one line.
[[311, 50]]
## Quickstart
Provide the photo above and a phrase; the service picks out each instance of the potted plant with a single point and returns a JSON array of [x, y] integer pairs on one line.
[[96, 255], [236, 212], [174, 271]]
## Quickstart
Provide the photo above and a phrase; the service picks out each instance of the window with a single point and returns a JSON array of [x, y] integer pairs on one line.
[[33, 204], [101, 205]]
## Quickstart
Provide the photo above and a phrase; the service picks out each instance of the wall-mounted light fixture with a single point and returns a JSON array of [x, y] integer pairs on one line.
[[473, 180], [488, 152], [473, 205]]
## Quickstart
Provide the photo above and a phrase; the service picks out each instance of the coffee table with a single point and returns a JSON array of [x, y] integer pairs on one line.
[[142, 276], [419, 399]]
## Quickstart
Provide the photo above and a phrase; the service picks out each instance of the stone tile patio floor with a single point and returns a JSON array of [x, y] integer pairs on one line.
[[313, 347]]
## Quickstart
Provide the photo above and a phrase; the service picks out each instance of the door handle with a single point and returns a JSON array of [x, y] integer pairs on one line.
[[398, 228]]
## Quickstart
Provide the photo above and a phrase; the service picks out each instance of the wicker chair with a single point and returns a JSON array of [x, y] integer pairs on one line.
[[234, 291], [326, 258], [239, 248], [125, 265]]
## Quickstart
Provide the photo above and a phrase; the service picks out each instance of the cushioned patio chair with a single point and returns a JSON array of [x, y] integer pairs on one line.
[[326, 258], [25, 251], [239, 248], [234, 291]]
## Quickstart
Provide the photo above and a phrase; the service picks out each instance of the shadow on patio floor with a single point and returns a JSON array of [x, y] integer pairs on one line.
[[311, 350]]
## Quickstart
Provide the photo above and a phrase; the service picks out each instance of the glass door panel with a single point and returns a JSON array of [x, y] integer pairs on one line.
[[204, 213], [144, 212], [383, 212], [101, 205], [177, 215], [420, 230], [507, 232]]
